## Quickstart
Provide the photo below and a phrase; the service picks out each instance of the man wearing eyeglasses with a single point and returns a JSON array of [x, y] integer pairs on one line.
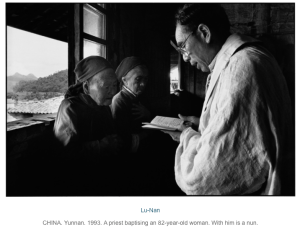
[[243, 137]]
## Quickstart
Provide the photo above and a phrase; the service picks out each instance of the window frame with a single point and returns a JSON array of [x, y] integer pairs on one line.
[[77, 36], [91, 37], [75, 42]]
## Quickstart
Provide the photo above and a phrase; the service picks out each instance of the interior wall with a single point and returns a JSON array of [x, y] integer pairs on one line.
[[142, 29]]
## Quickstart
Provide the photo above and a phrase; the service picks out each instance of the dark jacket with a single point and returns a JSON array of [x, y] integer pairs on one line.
[[87, 166], [81, 124], [127, 124]]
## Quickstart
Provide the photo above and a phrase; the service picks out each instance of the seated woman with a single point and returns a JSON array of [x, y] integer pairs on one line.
[[127, 109], [149, 169], [84, 125]]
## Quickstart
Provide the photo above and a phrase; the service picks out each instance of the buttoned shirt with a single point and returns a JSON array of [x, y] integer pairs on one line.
[[244, 127]]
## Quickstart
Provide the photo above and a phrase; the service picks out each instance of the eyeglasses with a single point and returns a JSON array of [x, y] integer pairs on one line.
[[181, 49]]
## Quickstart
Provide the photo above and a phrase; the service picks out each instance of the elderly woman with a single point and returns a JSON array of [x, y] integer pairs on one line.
[[84, 118], [148, 169], [127, 109], [84, 124]]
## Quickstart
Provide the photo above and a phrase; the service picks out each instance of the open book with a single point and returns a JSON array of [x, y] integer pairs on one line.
[[163, 123]]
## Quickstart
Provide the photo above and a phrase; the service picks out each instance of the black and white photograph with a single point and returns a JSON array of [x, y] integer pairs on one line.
[[151, 101]]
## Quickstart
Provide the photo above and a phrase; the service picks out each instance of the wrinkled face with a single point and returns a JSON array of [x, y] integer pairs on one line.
[[136, 79], [196, 48], [103, 87]]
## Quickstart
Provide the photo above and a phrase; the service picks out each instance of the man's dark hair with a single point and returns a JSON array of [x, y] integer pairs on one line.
[[210, 14]]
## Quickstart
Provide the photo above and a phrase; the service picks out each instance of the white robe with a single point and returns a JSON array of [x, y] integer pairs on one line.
[[244, 129]]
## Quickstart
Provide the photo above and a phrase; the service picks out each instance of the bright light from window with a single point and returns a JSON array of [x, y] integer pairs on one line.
[[31, 53], [93, 49], [174, 75], [37, 75]]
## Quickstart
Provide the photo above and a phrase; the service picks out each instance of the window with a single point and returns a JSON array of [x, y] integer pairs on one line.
[[94, 30], [37, 74], [88, 37], [174, 71], [174, 84]]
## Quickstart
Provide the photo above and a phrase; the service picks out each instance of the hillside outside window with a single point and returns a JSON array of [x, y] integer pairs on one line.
[[37, 77]]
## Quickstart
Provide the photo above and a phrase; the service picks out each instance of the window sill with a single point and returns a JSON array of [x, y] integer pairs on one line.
[[42, 119], [23, 136]]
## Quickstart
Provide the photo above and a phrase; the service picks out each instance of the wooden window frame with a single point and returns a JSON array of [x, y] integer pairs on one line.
[[77, 36]]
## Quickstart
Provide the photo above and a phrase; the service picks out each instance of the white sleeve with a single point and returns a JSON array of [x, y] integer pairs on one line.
[[230, 157]]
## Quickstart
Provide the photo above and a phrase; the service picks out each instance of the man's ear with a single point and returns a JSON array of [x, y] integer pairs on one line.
[[204, 32], [124, 80], [85, 86]]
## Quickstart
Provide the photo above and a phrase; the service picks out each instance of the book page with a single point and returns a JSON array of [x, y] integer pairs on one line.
[[167, 122], [155, 127]]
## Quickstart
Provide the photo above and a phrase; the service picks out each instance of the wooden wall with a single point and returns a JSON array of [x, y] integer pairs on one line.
[[142, 29]]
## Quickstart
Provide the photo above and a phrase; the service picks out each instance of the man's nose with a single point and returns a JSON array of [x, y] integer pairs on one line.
[[186, 57]]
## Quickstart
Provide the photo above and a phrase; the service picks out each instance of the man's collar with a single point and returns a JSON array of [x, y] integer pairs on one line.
[[232, 43]]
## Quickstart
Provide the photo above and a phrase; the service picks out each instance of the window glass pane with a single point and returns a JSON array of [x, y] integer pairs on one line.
[[91, 48], [174, 73], [37, 75], [94, 22], [174, 79]]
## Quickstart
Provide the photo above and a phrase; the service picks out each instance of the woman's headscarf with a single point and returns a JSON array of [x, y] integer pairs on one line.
[[84, 70], [126, 66]]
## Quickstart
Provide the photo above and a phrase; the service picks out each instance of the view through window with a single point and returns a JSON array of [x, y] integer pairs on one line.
[[174, 72], [37, 74], [174, 84]]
